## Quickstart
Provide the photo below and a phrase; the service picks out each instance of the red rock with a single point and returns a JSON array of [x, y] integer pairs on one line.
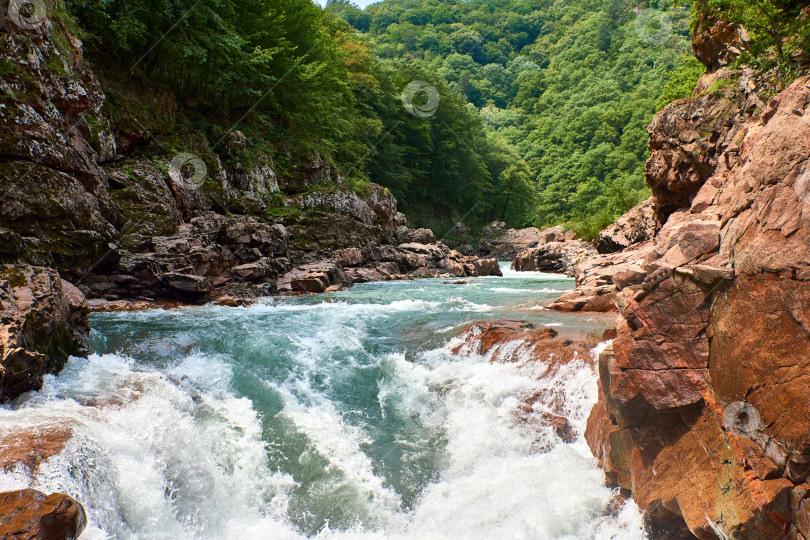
[[31, 447], [31, 515], [637, 225], [539, 352], [718, 322], [312, 278], [43, 320]]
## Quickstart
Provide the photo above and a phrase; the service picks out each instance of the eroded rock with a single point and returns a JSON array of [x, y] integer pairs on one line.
[[43, 320]]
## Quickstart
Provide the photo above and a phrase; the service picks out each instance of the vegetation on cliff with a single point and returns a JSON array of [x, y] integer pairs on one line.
[[543, 105], [542, 108]]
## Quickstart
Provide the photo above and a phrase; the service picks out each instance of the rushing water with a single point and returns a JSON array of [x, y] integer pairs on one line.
[[340, 415]]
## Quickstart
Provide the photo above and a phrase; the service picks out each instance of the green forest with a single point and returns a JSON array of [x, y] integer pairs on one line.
[[542, 104]]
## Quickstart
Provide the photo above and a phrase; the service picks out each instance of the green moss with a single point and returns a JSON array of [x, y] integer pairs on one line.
[[283, 212], [8, 68], [717, 86], [14, 276]]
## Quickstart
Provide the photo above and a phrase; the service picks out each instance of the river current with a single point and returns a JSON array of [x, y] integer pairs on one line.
[[334, 416]]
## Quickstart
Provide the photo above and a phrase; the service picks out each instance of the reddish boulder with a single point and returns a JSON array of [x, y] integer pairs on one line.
[[31, 515], [637, 225], [43, 320], [312, 278], [540, 353]]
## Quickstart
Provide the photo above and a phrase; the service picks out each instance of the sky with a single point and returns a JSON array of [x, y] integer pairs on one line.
[[361, 3]]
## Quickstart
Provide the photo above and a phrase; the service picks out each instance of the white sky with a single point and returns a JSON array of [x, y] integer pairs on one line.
[[361, 3]]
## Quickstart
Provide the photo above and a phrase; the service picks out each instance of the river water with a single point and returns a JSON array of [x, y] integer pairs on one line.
[[340, 415]]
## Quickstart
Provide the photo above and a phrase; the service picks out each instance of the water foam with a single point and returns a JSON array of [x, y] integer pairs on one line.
[[168, 448]]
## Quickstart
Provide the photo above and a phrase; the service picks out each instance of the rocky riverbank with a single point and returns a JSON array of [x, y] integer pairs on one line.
[[703, 415], [87, 213]]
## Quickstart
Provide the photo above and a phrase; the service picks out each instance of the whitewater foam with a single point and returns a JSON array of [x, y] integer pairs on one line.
[[327, 420]]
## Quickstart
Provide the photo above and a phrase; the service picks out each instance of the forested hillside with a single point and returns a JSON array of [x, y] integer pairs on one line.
[[571, 86], [542, 104]]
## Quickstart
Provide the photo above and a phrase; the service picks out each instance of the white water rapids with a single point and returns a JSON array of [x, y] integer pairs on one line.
[[340, 416]]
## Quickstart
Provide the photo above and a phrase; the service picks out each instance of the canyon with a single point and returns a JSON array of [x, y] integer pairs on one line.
[[703, 415]]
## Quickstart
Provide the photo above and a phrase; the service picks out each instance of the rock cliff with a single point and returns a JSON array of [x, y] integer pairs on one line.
[[92, 188], [703, 413]]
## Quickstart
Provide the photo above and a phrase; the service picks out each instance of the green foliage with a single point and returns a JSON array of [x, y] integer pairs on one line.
[[776, 28], [681, 82], [567, 87], [543, 103]]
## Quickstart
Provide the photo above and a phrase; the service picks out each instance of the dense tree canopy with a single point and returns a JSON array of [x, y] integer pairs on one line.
[[542, 104], [567, 87]]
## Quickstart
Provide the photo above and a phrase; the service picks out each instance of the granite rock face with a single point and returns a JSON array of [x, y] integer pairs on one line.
[[504, 244], [31, 515], [636, 226]]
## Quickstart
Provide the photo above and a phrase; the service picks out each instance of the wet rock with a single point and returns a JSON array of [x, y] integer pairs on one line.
[[312, 278], [540, 353], [29, 514], [486, 267], [30, 447]]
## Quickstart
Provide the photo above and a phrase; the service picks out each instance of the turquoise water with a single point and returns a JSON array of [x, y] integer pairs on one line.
[[341, 415]]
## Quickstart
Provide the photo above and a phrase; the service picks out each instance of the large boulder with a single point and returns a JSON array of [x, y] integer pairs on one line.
[[384, 205], [312, 278], [504, 244], [541, 354], [554, 257], [43, 321], [717, 42], [689, 137], [31, 515]]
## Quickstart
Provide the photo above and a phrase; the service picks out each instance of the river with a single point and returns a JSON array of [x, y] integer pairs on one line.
[[340, 415]]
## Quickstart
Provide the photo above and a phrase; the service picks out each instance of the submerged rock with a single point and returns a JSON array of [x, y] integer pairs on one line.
[[540, 353]]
